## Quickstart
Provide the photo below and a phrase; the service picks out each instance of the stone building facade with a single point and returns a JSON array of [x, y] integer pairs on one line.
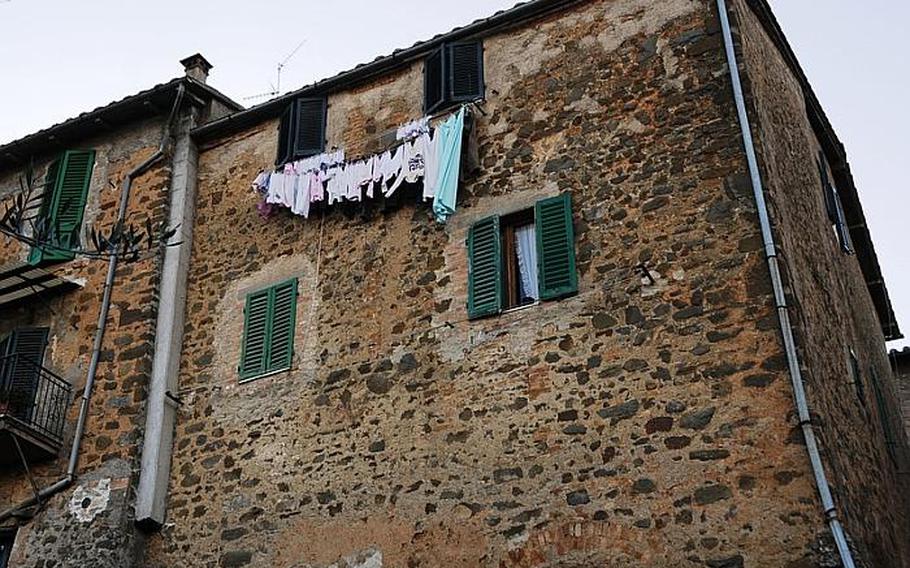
[[645, 419], [89, 520]]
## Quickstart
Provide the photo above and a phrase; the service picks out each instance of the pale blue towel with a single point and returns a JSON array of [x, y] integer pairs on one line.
[[450, 133]]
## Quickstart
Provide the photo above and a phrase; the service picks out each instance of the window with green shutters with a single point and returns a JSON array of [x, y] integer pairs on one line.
[[500, 249], [59, 221], [268, 331]]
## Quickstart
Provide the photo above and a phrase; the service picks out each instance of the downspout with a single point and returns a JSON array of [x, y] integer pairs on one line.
[[780, 299], [71, 469], [162, 404]]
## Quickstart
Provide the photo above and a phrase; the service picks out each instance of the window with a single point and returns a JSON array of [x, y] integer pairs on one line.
[[268, 331], [885, 417], [302, 130], [453, 74], [834, 207], [856, 375], [522, 258], [21, 356], [59, 220], [7, 537]]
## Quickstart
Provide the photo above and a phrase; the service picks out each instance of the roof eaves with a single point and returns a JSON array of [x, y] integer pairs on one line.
[[59, 136], [502, 20], [865, 249]]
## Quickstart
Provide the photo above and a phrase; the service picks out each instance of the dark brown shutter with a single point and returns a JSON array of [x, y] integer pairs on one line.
[[309, 121], [285, 130], [465, 67], [433, 82], [21, 375]]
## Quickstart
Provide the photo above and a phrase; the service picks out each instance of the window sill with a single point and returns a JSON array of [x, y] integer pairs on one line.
[[246, 380], [520, 308]]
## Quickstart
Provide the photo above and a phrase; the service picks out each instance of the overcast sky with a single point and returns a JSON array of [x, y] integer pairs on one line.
[[59, 58]]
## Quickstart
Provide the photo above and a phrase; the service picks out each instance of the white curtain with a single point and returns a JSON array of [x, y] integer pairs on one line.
[[526, 245]]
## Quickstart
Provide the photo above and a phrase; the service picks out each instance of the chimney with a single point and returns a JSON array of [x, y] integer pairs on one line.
[[196, 67]]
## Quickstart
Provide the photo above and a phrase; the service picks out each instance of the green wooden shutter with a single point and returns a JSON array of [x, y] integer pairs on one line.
[[557, 274], [21, 374], [484, 268], [268, 330], [281, 332], [255, 335], [63, 208]]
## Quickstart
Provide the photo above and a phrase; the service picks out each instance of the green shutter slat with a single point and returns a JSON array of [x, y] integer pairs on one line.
[[268, 336], [557, 274], [64, 207], [284, 308], [484, 268], [255, 335]]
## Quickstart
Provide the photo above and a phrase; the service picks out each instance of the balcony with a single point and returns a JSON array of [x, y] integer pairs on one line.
[[33, 405]]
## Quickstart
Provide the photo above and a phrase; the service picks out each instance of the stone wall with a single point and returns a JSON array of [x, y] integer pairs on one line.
[[89, 525], [832, 310], [638, 423]]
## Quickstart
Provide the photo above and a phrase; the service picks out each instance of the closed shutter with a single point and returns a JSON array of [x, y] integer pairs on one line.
[[268, 337], [21, 376], [465, 67], [285, 130], [64, 206], [555, 247], [884, 416], [433, 82], [281, 340], [484, 268], [255, 335], [309, 137]]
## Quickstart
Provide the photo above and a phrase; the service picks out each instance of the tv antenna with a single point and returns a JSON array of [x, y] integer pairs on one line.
[[276, 87]]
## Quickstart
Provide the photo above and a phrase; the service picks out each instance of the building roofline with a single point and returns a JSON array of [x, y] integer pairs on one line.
[[500, 21], [837, 157], [144, 104]]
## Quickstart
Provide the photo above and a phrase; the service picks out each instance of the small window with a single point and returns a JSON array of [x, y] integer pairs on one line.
[[301, 132], [268, 334], [834, 206], [59, 220], [856, 375], [7, 538], [522, 258], [453, 74], [885, 417]]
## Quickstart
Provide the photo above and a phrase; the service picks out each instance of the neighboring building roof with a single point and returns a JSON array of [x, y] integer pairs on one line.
[[900, 359], [145, 104]]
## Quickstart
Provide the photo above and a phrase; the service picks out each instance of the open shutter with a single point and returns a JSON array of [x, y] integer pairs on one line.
[[309, 121], [255, 334], [884, 416], [285, 143], [281, 333], [465, 67], [843, 232], [827, 188], [484, 268], [63, 205], [29, 345], [433, 82], [555, 247]]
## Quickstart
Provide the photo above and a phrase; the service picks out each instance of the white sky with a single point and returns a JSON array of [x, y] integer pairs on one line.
[[62, 57]]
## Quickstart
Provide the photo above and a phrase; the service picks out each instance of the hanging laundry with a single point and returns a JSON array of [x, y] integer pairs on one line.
[[389, 173], [431, 165], [414, 159], [450, 135], [413, 128], [261, 183]]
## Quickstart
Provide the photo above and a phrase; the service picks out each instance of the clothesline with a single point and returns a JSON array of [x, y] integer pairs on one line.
[[434, 157]]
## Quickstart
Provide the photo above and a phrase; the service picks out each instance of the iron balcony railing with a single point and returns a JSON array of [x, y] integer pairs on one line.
[[33, 396]]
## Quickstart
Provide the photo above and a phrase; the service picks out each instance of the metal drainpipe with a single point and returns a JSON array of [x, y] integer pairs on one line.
[[796, 378], [70, 476]]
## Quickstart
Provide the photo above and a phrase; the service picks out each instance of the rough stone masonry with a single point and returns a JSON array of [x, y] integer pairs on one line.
[[643, 422], [647, 420]]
